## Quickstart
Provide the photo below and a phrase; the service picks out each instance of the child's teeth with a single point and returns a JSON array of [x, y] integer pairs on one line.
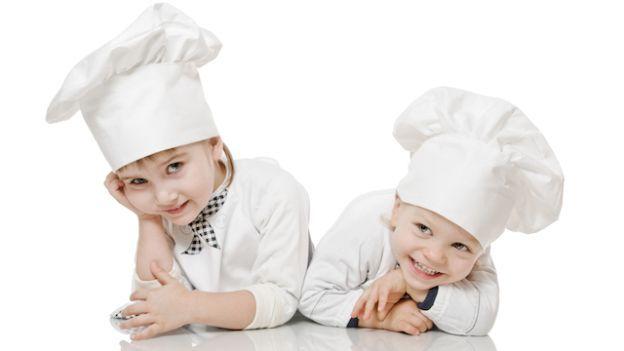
[[425, 269]]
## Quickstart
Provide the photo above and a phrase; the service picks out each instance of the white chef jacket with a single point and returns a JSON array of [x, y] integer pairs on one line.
[[356, 251], [262, 231]]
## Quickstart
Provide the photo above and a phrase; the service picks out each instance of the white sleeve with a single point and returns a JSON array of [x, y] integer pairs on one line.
[[176, 272], [282, 257], [341, 264], [469, 306]]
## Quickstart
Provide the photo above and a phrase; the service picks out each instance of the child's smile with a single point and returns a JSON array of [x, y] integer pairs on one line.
[[430, 249], [175, 184], [423, 271], [178, 209]]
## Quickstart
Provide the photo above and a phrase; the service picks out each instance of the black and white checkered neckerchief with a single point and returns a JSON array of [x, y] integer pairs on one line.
[[202, 230]]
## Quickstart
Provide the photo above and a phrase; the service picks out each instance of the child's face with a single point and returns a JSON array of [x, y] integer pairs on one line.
[[175, 185], [430, 249]]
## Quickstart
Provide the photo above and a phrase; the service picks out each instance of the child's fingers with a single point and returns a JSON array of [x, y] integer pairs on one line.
[[115, 190], [418, 321], [163, 277], [147, 333], [138, 321], [139, 294], [108, 178], [381, 315], [115, 187], [358, 306], [371, 301], [135, 309], [383, 299], [426, 320], [409, 328], [112, 181]]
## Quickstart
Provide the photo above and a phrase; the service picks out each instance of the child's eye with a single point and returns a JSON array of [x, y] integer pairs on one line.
[[174, 167], [460, 247], [138, 181], [423, 228]]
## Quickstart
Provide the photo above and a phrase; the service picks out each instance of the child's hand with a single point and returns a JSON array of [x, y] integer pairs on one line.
[[161, 309], [116, 188], [406, 317], [384, 292]]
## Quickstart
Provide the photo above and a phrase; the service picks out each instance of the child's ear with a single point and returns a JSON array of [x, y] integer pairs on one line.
[[216, 148], [395, 211]]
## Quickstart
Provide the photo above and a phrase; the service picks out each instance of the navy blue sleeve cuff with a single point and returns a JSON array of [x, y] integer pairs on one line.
[[429, 300], [353, 323]]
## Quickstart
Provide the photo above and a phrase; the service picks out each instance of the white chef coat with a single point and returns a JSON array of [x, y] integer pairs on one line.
[[262, 231], [356, 251]]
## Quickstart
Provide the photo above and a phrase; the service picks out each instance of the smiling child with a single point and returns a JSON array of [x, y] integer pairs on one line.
[[477, 166]]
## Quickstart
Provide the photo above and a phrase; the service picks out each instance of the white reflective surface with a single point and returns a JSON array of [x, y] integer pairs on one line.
[[302, 334]]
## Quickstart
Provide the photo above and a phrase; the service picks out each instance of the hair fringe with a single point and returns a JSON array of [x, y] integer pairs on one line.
[[230, 164]]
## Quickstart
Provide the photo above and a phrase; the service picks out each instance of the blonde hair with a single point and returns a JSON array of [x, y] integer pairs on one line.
[[228, 156], [387, 221]]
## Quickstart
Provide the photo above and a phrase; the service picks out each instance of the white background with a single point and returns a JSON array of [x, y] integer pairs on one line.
[[317, 85]]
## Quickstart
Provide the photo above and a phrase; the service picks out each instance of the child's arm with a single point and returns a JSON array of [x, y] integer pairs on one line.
[[281, 216], [380, 297], [153, 244], [277, 274], [333, 282], [280, 213], [468, 307], [404, 316], [172, 305], [349, 255]]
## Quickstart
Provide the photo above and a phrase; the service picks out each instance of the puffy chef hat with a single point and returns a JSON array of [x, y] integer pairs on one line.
[[141, 93], [479, 162]]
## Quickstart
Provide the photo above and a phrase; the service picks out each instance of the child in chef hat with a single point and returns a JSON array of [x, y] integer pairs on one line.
[[221, 242], [477, 166]]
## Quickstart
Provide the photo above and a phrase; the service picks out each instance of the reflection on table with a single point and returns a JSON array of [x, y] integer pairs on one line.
[[303, 334]]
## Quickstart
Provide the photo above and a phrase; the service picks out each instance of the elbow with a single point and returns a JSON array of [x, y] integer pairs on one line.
[[307, 302], [311, 307], [480, 330], [274, 306], [486, 317], [478, 322]]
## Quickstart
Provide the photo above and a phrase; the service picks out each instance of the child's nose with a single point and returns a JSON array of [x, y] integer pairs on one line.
[[436, 255], [166, 197]]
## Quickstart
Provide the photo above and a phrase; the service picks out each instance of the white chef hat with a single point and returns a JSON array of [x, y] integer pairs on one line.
[[140, 93], [479, 162]]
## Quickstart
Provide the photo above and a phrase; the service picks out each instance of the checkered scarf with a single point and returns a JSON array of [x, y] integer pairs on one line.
[[202, 230]]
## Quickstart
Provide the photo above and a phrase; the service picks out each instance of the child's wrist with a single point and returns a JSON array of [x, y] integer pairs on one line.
[[149, 225], [190, 303], [148, 218], [372, 322], [399, 276], [417, 294]]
